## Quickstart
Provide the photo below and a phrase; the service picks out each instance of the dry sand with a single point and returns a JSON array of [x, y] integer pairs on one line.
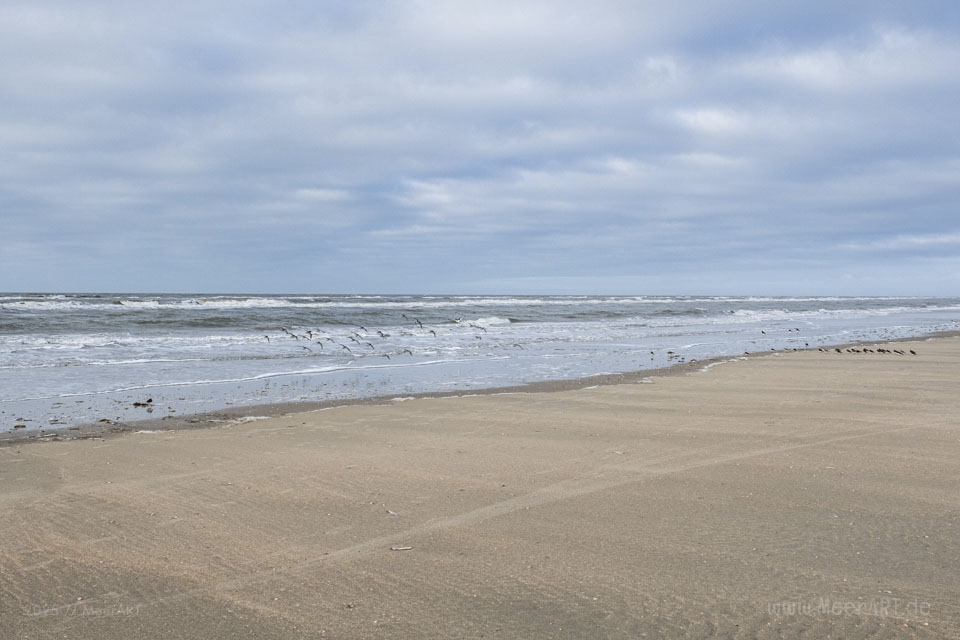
[[801, 495]]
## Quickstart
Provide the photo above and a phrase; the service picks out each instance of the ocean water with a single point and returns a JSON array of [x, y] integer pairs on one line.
[[67, 359]]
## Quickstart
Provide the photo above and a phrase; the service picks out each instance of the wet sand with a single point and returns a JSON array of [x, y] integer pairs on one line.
[[806, 494]]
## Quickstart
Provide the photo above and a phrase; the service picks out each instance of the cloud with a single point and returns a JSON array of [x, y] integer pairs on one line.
[[713, 121], [947, 241], [513, 139], [885, 59]]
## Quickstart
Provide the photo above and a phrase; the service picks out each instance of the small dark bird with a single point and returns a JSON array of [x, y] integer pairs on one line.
[[433, 332], [382, 334], [407, 351], [419, 323], [838, 351], [343, 346], [370, 345], [763, 332], [307, 348], [267, 337], [912, 352], [362, 328], [386, 356]]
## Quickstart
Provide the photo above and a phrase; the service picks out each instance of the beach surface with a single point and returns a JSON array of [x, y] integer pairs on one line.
[[804, 494]]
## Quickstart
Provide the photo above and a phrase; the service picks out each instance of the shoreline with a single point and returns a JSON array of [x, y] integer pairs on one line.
[[214, 419]]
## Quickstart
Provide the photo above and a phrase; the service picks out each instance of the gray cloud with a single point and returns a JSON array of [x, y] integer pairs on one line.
[[571, 147]]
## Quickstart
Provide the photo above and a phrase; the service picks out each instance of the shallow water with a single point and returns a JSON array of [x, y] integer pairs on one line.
[[72, 358]]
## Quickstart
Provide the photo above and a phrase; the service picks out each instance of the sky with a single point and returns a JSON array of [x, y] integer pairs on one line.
[[412, 146]]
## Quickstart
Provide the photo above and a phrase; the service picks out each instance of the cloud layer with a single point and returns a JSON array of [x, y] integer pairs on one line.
[[480, 147]]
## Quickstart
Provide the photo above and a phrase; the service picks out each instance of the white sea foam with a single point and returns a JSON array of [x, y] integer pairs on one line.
[[491, 321], [706, 368], [379, 302]]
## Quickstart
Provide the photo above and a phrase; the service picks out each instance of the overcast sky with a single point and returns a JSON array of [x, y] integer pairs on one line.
[[481, 147]]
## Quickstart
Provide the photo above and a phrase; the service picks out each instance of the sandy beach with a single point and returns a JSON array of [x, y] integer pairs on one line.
[[801, 495]]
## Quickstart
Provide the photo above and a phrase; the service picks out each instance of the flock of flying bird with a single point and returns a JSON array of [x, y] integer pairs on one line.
[[362, 340]]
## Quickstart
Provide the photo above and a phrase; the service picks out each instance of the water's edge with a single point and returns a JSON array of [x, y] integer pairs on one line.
[[237, 415]]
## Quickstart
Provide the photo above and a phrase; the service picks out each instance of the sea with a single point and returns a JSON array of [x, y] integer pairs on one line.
[[69, 359]]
